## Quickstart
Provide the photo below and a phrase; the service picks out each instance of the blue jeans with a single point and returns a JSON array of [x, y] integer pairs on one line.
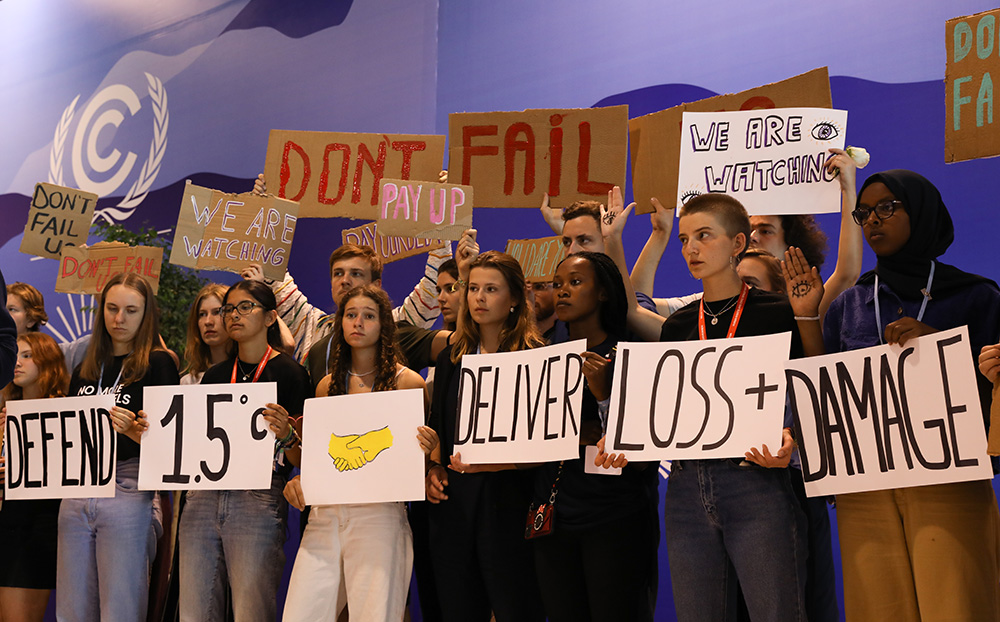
[[106, 547], [234, 535], [725, 521]]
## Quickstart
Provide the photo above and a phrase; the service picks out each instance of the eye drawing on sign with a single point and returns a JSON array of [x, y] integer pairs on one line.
[[825, 131], [687, 195], [355, 451]]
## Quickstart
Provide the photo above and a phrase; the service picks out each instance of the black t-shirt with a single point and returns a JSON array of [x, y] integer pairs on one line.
[[292, 380], [161, 371]]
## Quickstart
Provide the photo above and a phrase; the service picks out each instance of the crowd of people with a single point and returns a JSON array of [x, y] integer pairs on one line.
[[744, 541]]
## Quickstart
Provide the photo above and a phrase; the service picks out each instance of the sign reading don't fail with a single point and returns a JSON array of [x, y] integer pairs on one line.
[[889, 416], [520, 406], [58, 217]]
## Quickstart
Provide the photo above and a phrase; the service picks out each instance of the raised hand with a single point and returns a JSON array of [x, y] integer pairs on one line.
[[614, 216], [845, 168], [802, 283], [466, 252], [253, 272], [259, 185], [552, 216], [662, 218]]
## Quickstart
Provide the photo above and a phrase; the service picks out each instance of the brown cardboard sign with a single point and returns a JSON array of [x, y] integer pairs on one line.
[[538, 257], [655, 139], [388, 248], [973, 57], [220, 231], [339, 174], [513, 158], [424, 209], [86, 270], [58, 217]]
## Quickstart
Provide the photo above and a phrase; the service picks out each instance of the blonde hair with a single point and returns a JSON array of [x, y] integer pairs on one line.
[[196, 352]]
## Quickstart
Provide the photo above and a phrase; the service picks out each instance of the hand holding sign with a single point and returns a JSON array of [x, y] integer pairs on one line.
[[906, 328], [989, 362]]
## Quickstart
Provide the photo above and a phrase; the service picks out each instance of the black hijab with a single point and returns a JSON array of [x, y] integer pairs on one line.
[[931, 233]]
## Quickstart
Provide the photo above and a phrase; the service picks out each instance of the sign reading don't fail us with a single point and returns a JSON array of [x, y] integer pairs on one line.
[[520, 406], [60, 448], [207, 437]]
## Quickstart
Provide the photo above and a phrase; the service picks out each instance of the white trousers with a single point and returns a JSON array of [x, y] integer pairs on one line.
[[358, 554]]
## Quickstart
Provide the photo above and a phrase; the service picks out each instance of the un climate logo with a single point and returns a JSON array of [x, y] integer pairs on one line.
[[94, 118]]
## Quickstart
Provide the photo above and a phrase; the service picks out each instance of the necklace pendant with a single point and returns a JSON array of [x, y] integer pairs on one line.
[[715, 321]]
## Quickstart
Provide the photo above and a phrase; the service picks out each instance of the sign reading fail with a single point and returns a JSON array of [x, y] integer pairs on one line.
[[514, 158], [85, 270], [389, 248], [889, 416], [538, 257], [223, 231], [60, 448], [655, 139], [973, 58], [58, 217], [520, 406], [425, 209], [698, 399], [207, 437], [334, 174], [772, 161]]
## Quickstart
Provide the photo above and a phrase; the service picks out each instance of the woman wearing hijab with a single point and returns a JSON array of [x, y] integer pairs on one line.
[[925, 552]]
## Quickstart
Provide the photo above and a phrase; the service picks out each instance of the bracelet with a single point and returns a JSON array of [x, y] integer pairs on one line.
[[290, 440], [804, 318]]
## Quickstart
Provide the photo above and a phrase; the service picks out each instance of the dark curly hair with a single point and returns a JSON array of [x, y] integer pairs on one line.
[[613, 309], [387, 354], [802, 231]]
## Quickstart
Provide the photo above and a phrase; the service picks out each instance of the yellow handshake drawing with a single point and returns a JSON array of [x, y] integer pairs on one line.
[[355, 451]]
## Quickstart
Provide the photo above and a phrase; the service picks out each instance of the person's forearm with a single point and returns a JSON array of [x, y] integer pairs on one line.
[[850, 250], [644, 272]]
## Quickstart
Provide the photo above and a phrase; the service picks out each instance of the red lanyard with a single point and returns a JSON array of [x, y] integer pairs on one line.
[[260, 366], [736, 315]]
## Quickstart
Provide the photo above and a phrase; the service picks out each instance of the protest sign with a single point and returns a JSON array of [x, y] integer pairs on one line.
[[86, 270], [973, 56], [388, 248], [889, 416], [363, 448], [424, 209], [221, 231], [513, 158], [520, 406], [698, 399], [538, 257], [340, 174], [60, 448], [655, 139], [58, 217], [207, 437], [773, 162]]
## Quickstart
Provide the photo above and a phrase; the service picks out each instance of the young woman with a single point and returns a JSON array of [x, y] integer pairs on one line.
[[28, 529], [106, 545], [762, 270], [932, 550], [238, 535], [748, 513], [361, 550], [207, 340], [27, 306], [482, 562], [597, 517]]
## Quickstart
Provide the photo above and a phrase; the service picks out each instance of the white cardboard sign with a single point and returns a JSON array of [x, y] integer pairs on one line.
[[60, 448], [207, 437], [363, 448], [520, 406], [889, 416], [698, 399], [773, 161]]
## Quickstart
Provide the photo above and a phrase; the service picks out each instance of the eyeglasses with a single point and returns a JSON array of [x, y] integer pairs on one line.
[[882, 209], [244, 308]]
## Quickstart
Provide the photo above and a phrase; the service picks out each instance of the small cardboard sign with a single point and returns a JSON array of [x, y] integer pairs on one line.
[[220, 231], [973, 57], [889, 416], [772, 161], [520, 406], [58, 217], [363, 448], [716, 398], [207, 437], [424, 209], [388, 248], [655, 139], [538, 257], [85, 270], [60, 448], [513, 158], [339, 174]]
